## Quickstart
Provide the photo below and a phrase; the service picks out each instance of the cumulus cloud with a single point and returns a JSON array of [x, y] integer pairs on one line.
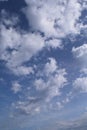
[[47, 85], [50, 66], [80, 51], [27, 107], [16, 87], [22, 70], [55, 79], [57, 19], [49, 21], [54, 19], [54, 43], [80, 84], [17, 48]]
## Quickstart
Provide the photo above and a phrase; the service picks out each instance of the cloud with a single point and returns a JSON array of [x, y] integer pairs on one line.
[[80, 84], [16, 87], [84, 71], [24, 46], [80, 51], [54, 19], [46, 86], [23, 70], [53, 79], [50, 66], [8, 19], [54, 43], [18, 47], [27, 108]]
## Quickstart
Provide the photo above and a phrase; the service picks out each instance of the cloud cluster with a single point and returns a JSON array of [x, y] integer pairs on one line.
[[49, 21], [81, 51], [80, 84], [16, 48], [49, 85], [55, 79], [54, 19]]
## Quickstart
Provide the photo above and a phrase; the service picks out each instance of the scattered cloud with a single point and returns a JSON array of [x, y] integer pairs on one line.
[[54, 43], [80, 84], [22, 70], [80, 51], [16, 87], [49, 23], [51, 66], [17, 48], [80, 54], [48, 85], [54, 19], [27, 108], [54, 79]]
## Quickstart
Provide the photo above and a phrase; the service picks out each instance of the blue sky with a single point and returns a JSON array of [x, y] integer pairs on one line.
[[43, 64]]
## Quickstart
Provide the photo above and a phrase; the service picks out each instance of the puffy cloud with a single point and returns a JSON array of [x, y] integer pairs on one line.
[[47, 85], [16, 87], [23, 70], [80, 84], [80, 54], [23, 46], [50, 66], [17, 48], [53, 79], [40, 84], [80, 51], [8, 20], [54, 43], [54, 19], [85, 4], [27, 108], [58, 18]]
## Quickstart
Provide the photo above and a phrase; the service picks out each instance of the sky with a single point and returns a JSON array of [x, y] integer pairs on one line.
[[43, 64]]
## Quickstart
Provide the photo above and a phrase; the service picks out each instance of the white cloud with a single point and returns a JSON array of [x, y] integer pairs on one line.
[[84, 71], [25, 107], [55, 80], [85, 4], [54, 19], [80, 84], [16, 87], [57, 18], [80, 51], [81, 54], [24, 46], [47, 85], [50, 66], [54, 43], [17, 48], [8, 20], [23, 70], [40, 84]]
